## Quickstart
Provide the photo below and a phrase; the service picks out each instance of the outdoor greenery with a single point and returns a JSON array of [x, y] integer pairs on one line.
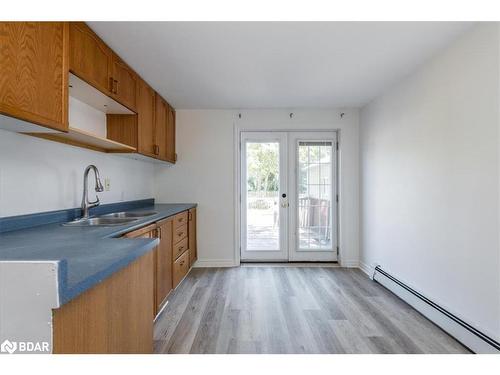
[[262, 167]]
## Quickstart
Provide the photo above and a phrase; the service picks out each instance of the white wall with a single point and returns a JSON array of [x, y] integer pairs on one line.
[[205, 172], [37, 175], [430, 179]]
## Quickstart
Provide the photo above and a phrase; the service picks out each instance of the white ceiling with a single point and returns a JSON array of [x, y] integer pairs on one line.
[[238, 65]]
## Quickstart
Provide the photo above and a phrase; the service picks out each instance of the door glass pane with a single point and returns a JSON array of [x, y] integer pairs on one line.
[[262, 196], [314, 186]]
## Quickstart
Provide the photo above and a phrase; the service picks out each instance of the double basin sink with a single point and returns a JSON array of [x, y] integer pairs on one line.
[[111, 220]]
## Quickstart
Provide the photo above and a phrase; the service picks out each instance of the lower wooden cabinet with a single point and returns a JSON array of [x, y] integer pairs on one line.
[[163, 279], [181, 268], [180, 247], [193, 249], [116, 316], [112, 317]]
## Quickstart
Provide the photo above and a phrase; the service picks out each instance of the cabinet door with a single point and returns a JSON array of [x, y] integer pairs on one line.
[[89, 58], [164, 130], [193, 251], [34, 72], [171, 156], [146, 118], [144, 232], [164, 262], [160, 128], [124, 83], [112, 317]]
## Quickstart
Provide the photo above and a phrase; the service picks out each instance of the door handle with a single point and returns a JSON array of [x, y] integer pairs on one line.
[[284, 202]]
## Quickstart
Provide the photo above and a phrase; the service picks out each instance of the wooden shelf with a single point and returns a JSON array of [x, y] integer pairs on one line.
[[80, 138]]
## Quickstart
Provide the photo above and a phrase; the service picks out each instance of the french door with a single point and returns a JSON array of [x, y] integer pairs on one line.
[[288, 196]]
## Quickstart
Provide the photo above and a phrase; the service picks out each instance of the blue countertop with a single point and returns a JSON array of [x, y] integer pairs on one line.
[[86, 255]]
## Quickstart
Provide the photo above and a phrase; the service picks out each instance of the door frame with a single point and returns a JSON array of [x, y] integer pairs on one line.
[[237, 130]]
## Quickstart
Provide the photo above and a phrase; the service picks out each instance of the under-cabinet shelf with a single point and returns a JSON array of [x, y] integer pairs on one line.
[[80, 138]]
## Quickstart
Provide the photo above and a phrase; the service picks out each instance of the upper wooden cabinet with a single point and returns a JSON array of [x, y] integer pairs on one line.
[[94, 62], [34, 72], [89, 58], [146, 118], [171, 155], [35, 61], [160, 127], [124, 83], [164, 130]]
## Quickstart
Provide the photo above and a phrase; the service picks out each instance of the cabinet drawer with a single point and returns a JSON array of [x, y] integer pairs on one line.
[[180, 233], [180, 247], [181, 268], [180, 219]]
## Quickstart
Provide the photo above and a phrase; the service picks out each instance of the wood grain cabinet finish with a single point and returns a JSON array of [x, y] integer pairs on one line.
[[123, 129], [160, 129], [116, 316], [171, 155], [164, 130], [90, 59], [124, 83], [146, 118], [163, 263], [34, 72], [112, 317], [94, 62], [180, 233], [193, 249], [144, 232], [180, 219], [180, 247], [180, 268], [152, 129]]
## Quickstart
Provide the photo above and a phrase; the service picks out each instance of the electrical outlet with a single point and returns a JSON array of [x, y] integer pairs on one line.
[[107, 184]]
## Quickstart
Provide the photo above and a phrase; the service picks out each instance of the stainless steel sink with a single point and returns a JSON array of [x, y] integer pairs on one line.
[[129, 214], [100, 221]]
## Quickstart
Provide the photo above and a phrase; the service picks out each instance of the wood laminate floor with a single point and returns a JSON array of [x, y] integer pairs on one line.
[[292, 310]]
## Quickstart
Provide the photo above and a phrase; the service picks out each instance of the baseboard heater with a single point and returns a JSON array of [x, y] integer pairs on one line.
[[469, 336]]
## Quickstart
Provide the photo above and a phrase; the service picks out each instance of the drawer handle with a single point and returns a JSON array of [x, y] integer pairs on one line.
[[181, 248], [180, 234], [181, 263]]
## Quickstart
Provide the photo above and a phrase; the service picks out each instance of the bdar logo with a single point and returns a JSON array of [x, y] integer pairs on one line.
[[8, 347]]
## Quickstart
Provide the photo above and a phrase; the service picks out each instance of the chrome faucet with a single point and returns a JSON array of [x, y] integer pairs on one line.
[[86, 204]]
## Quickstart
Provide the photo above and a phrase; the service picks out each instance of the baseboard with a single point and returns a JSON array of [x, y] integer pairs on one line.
[[349, 263], [212, 263], [465, 333], [366, 269]]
